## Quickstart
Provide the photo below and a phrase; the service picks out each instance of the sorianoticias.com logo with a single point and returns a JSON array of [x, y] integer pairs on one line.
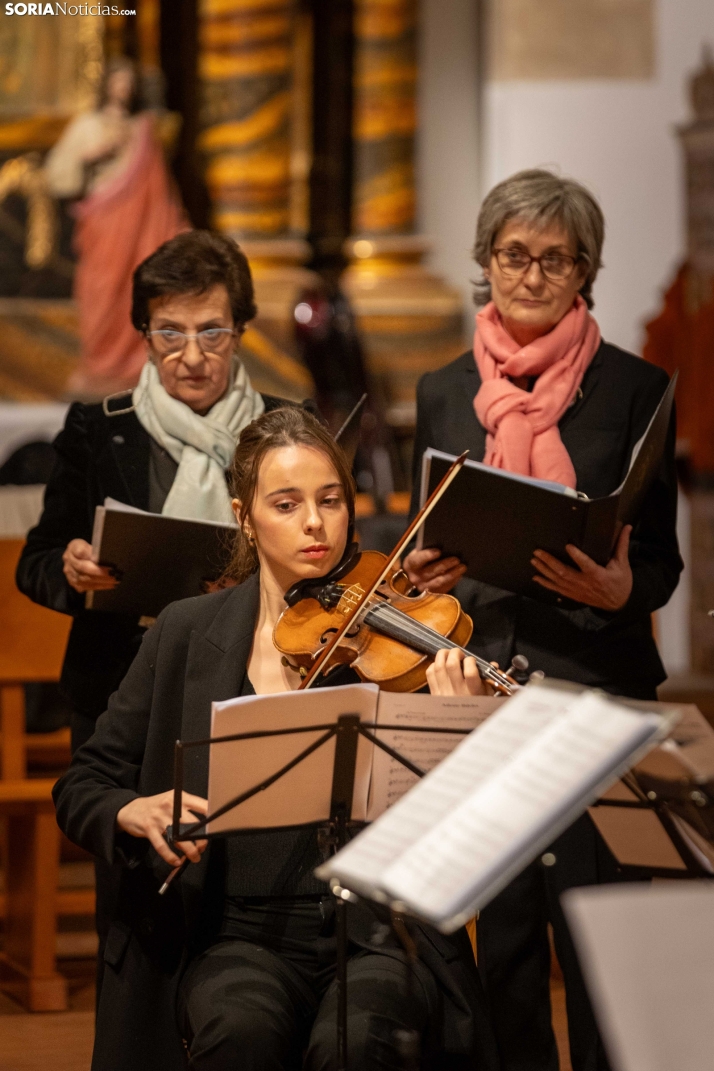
[[66, 9]]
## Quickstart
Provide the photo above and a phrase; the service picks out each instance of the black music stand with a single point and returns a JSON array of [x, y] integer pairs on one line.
[[347, 730], [688, 800]]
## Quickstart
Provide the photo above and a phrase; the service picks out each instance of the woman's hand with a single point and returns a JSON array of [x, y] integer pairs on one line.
[[452, 673], [607, 587], [428, 571], [82, 573], [148, 816]]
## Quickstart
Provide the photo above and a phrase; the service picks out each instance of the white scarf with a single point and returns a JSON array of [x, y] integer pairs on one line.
[[203, 446]]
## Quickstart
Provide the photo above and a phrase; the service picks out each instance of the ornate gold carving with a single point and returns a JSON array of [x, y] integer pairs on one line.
[[49, 65], [23, 175]]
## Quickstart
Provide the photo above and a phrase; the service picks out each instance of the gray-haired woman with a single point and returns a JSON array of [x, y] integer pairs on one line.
[[541, 394]]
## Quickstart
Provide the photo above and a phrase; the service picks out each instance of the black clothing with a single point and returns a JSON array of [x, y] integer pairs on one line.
[[98, 456], [244, 1006], [614, 651], [566, 640], [195, 654], [274, 862], [162, 473], [514, 956]]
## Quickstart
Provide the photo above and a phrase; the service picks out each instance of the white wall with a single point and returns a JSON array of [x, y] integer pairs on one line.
[[617, 136], [448, 150]]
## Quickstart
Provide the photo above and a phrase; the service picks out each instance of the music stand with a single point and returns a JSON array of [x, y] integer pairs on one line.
[[346, 731], [688, 800]]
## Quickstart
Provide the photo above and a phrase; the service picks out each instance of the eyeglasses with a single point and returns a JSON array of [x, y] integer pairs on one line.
[[215, 340], [555, 266]]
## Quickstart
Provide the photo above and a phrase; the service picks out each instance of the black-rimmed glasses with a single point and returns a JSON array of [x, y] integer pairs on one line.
[[555, 266]]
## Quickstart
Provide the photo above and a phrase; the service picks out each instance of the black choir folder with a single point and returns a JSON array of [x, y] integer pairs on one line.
[[493, 520], [160, 559], [445, 849]]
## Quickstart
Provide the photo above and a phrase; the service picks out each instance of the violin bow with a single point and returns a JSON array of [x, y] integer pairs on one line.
[[351, 417], [324, 657]]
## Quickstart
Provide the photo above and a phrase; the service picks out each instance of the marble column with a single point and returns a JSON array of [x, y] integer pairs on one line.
[[248, 60], [410, 320]]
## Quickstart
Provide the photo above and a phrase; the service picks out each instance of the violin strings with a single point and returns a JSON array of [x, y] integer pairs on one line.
[[402, 627]]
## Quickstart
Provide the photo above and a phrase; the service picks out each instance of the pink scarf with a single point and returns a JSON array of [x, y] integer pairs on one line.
[[522, 427]]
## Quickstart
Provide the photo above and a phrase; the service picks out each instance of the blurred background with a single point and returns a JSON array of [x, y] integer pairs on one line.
[[347, 145]]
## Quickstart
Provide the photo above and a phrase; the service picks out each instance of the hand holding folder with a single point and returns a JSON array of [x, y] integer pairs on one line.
[[494, 520], [159, 559]]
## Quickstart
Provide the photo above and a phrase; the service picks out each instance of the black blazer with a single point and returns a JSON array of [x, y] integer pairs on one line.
[[98, 456], [619, 393], [196, 653]]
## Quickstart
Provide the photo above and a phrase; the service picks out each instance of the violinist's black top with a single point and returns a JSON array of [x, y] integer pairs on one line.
[[197, 653], [277, 862]]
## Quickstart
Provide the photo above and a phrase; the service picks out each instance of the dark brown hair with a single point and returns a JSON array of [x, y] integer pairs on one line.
[[192, 263], [289, 426]]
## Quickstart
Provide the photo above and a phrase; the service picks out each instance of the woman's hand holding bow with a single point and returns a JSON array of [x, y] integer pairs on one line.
[[148, 816]]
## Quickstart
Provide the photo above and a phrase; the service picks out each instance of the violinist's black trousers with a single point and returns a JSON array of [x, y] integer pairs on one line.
[[244, 1007]]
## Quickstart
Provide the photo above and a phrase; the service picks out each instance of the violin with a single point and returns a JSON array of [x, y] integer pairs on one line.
[[392, 642], [361, 614]]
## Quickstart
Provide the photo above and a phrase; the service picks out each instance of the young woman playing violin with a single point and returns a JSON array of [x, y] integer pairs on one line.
[[235, 965]]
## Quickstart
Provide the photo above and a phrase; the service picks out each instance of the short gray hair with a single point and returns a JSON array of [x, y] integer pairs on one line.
[[540, 197]]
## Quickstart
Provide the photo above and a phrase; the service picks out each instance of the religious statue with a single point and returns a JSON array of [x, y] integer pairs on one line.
[[111, 160]]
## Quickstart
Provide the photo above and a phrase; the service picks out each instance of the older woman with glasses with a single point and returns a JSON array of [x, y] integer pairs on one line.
[[541, 394], [165, 447]]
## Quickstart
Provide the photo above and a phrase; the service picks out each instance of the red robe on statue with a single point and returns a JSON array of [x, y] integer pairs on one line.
[[117, 227]]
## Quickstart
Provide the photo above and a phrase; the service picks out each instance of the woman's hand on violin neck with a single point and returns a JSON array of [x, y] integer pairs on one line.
[[606, 587], [452, 673], [428, 571], [148, 816]]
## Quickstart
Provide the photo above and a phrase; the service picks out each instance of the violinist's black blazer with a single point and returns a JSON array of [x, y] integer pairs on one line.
[[196, 653], [616, 651], [99, 454]]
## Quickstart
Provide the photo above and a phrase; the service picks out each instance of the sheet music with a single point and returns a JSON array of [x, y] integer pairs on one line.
[[363, 862], [303, 794], [390, 779], [473, 851]]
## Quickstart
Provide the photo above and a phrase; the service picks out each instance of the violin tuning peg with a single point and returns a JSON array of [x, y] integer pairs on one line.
[[519, 664], [537, 675]]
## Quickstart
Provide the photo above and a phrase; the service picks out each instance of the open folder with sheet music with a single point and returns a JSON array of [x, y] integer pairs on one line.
[[493, 520], [302, 795], [159, 559], [496, 801]]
